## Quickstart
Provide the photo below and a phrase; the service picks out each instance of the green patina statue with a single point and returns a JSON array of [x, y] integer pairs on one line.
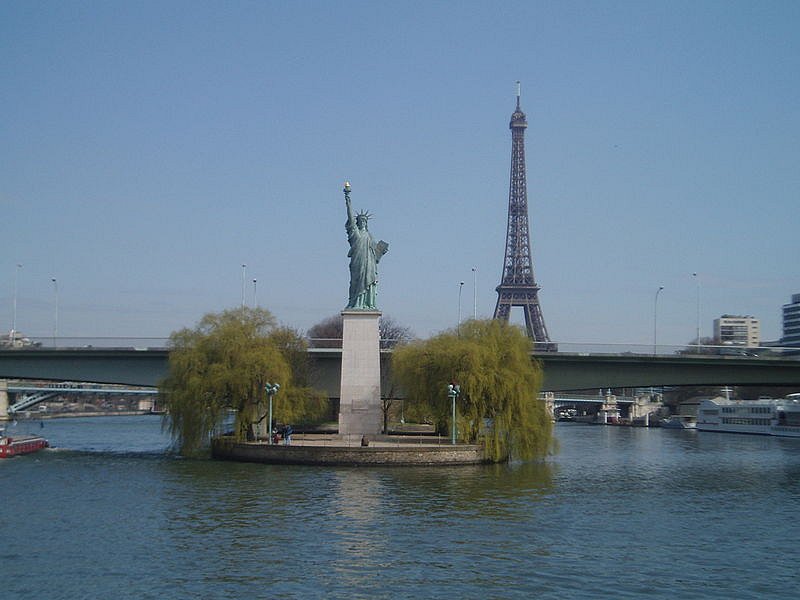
[[365, 254]]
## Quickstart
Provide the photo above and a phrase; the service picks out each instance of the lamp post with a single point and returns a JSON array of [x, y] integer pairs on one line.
[[271, 389], [452, 393], [655, 320], [460, 287], [475, 293], [13, 335], [255, 294], [697, 280], [244, 276], [55, 315]]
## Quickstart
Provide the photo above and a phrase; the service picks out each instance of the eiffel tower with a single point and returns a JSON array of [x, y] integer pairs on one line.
[[518, 285]]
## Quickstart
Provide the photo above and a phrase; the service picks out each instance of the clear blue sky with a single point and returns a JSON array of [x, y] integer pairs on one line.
[[151, 148]]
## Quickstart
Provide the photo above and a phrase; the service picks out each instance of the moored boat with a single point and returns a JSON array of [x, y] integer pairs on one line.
[[566, 414], [23, 444], [680, 422], [765, 416]]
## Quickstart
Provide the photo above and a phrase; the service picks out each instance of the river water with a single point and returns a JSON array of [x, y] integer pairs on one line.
[[616, 513]]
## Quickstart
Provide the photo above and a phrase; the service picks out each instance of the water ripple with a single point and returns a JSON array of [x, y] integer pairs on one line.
[[618, 513]]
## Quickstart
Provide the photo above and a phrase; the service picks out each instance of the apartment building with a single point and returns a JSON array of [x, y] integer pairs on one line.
[[738, 330], [791, 322]]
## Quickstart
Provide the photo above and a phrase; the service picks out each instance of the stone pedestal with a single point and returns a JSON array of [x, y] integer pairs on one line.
[[360, 411]]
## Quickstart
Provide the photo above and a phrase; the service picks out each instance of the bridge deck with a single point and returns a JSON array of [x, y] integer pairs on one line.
[[561, 371]]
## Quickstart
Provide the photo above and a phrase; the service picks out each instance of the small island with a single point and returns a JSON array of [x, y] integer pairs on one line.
[[236, 375]]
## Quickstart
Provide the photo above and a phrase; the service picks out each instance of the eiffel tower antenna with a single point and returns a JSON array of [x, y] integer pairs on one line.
[[517, 283]]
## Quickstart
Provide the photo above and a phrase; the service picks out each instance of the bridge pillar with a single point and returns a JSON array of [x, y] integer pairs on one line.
[[4, 400], [646, 409], [549, 399]]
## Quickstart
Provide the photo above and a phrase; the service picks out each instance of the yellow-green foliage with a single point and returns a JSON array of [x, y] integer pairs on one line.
[[498, 405], [224, 363], [300, 405]]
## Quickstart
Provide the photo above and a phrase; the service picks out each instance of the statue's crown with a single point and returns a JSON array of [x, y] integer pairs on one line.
[[363, 214]]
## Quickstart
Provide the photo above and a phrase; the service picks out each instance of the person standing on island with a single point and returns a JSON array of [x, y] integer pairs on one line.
[[287, 435], [364, 255]]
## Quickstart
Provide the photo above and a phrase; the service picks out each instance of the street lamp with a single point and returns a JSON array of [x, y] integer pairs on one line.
[[14, 314], [55, 317], [697, 280], [655, 320], [244, 276], [255, 294], [460, 287], [475, 293], [452, 393], [271, 389]]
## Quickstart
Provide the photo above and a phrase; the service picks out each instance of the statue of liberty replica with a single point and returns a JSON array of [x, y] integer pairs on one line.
[[360, 410], [364, 255]]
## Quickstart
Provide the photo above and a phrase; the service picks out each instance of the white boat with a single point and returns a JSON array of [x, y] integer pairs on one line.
[[566, 414], [765, 416], [680, 422]]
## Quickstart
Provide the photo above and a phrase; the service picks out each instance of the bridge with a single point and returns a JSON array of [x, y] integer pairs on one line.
[[34, 394], [562, 371]]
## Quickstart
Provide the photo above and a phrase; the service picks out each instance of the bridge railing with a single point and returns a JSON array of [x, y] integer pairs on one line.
[[622, 348], [69, 343], [597, 398], [76, 387], [635, 349], [579, 348]]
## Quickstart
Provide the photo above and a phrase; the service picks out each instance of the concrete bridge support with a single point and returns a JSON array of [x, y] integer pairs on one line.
[[646, 410], [549, 403], [4, 400]]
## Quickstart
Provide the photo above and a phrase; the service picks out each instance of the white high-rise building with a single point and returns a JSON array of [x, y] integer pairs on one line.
[[791, 322], [738, 330]]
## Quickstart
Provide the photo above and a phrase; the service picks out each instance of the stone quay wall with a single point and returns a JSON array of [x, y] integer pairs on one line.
[[226, 448]]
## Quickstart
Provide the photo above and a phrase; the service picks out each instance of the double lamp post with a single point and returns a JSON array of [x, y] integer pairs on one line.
[[271, 389]]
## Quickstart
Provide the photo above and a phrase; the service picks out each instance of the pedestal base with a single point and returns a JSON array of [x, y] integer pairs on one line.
[[360, 410]]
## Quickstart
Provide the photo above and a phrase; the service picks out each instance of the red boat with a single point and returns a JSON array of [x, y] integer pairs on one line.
[[24, 444]]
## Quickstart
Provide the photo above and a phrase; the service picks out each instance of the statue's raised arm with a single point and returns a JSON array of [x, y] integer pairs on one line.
[[364, 257], [351, 222]]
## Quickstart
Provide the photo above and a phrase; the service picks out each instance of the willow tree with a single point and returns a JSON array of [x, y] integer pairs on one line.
[[298, 402], [498, 404], [224, 363]]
